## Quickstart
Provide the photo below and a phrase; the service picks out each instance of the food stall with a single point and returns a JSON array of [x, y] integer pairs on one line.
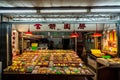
[[105, 61], [48, 65], [110, 43]]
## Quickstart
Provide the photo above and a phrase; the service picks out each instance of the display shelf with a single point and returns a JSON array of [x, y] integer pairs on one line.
[[112, 63], [105, 69], [14, 73], [107, 72], [113, 54], [44, 77], [91, 62], [48, 63]]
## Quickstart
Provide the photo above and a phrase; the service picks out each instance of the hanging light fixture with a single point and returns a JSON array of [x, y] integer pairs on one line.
[[96, 34], [74, 34], [28, 32]]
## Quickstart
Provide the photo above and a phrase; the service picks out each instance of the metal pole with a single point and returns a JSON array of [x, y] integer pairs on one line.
[[7, 41], [22, 43], [76, 44], [96, 42]]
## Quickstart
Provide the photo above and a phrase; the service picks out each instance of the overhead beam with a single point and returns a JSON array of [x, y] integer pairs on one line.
[[63, 7], [61, 22]]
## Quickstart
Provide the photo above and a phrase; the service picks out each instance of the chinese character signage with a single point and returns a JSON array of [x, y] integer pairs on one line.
[[81, 26], [52, 26], [66, 26], [38, 26]]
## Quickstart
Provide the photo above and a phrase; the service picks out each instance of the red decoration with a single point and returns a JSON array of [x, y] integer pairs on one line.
[[81, 26], [66, 26], [74, 34], [38, 26], [13, 42], [52, 26], [13, 38], [13, 46], [96, 34], [13, 33], [28, 33]]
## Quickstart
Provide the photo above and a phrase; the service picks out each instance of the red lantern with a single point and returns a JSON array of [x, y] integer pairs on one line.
[[28, 33], [74, 34], [96, 34]]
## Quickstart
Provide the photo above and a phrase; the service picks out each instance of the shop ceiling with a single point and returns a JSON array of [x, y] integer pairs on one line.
[[60, 11]]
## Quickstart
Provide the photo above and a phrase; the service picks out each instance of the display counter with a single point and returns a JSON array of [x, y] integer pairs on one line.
[[113, 62], [104, 67], [111, 53], [48, 65], [108, 69]]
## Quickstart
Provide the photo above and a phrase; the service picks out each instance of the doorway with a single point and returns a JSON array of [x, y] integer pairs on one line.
[[66, 43]]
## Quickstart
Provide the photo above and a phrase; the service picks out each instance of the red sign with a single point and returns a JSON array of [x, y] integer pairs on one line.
[[81, 26], [66, 26], [52, 26], [38, 26]]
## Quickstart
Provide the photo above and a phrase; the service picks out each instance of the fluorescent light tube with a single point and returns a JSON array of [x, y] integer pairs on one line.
[[61, 19], [64, 11], [18, 11], [29, 19], [105, 10]]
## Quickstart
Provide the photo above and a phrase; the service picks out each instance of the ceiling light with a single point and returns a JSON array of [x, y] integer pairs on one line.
[[60, 19], [105, 10], [64, 11], [74, 34], [18, 11], [96, 34], [28, 33], [28, 19], [114, 30]]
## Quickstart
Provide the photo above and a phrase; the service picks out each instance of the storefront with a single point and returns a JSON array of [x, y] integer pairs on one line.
[[33, 58], [104, 58], [38, 43], [27, 51]]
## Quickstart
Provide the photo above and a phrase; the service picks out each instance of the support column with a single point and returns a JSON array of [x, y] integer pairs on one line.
[[118, 38], [21, 42], [96, 42], [75, 44], [5, 43]]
